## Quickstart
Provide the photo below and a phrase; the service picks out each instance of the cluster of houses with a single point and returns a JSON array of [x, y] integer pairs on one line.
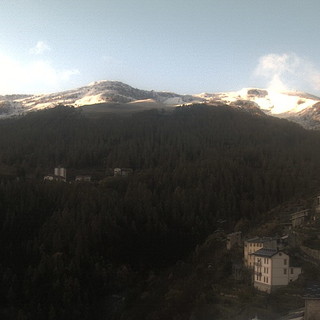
[[267, 260], [60, 174], [271, 266]]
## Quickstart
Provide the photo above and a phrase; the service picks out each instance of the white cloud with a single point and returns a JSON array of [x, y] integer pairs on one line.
[[40, 48], [34, 77], [288, 71]]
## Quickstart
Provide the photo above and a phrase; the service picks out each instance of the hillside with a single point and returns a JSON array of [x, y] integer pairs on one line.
[[80, 250]]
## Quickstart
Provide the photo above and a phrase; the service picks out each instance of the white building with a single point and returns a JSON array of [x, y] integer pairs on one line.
[[272, 269], [60, 172]]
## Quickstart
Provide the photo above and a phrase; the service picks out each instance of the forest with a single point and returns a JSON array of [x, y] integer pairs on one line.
[[68, 249]]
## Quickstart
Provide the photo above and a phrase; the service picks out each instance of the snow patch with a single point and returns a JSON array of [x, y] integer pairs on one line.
[[89, 100], [273, 102]]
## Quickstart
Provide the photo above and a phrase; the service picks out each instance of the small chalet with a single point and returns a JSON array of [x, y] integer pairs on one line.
[[272, 269]]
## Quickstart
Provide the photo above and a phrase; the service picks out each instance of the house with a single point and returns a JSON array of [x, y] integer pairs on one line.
[[255, 244], [52, 177], [233, 239], [83, 178], [312, 303], [299, 218], [60, 172], [117, 171], [122, 172], [272, 269]]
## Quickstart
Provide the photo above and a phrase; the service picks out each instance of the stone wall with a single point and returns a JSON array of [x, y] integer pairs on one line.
[[312, 309]]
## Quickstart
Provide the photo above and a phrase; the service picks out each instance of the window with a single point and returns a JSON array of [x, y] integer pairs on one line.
[[267, 280], [284, 271], [291, 270], [285, 262]]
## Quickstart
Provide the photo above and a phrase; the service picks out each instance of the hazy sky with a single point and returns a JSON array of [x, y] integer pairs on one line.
[[185, 46]]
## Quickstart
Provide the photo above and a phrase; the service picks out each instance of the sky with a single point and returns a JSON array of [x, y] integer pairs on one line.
[[184, 46]]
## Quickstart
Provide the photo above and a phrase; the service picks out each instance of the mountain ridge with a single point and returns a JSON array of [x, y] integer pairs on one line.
[[300, 107]]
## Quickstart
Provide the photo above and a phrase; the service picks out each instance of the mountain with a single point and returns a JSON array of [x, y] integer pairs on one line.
[[299, 107], [115, 96], [106, 92]]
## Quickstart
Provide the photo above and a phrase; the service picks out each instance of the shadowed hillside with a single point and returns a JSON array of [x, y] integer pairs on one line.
[[74, 251]]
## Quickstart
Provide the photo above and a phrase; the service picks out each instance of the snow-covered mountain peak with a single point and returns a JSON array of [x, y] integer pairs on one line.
[[272, 101], [94, 83]]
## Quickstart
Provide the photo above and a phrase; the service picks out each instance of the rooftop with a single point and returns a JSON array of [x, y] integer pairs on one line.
[[258, 239], [312, 292], [266, 252]]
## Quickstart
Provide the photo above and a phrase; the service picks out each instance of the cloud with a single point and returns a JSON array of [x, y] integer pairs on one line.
[[37, 76], [40, 48], [288, 71]]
